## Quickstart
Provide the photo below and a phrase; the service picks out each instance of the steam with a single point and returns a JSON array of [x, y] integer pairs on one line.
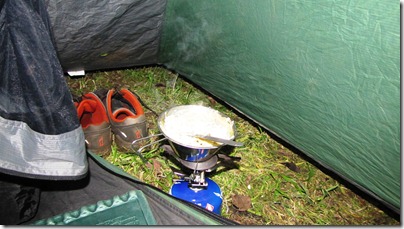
[[194, 37]]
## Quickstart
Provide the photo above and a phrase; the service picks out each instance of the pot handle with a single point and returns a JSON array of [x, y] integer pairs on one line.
[[144, 138], [143, 147], [138, 152]]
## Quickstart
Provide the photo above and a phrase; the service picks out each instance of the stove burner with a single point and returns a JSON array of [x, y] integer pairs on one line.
[[196, 188], [199, 166]]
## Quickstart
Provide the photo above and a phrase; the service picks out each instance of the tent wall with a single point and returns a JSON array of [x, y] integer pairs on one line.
[[322, 75], [105, 34]]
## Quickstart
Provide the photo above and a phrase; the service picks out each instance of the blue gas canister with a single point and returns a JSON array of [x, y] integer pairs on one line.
[[209, 197]]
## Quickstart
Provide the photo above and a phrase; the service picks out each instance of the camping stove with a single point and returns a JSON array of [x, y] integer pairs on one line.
[[195, 187], [188, 130]]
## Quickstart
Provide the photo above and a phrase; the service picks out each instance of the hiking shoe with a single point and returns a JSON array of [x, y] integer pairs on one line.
[[127, 118], [95, 123]]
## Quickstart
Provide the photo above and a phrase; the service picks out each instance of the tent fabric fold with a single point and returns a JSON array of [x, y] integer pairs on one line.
[[40, 133], [105, 181]]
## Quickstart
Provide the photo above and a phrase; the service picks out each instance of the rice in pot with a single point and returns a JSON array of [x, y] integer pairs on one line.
[[181, 123]]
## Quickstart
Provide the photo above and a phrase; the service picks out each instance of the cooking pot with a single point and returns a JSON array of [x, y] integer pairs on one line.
[[181, 125]]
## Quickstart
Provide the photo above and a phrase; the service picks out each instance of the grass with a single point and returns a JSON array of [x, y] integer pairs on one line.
[[279, 186]]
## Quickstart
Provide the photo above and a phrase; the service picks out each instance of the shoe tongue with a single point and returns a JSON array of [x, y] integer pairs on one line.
[[101, 93], [118, 102]]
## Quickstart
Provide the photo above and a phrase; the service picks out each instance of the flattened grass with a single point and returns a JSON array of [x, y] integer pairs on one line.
[[283, 188]]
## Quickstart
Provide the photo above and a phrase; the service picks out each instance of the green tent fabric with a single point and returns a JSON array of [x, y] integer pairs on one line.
[[322, 75]]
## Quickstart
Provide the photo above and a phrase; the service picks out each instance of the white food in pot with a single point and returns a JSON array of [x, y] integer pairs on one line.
[[181, 123]]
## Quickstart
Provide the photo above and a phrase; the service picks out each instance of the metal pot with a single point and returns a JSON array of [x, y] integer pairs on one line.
[[198, 150]]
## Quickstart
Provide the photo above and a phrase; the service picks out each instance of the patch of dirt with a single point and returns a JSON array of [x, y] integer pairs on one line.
[[245, 217]]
